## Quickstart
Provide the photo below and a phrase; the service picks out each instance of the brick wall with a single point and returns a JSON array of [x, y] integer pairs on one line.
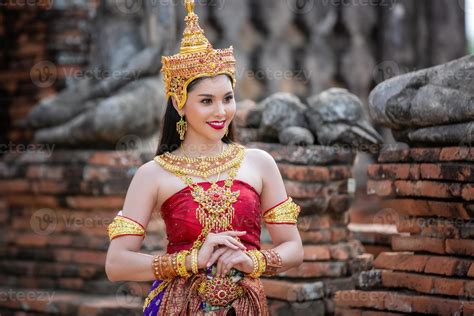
[[42, 43], [429, 270], [56, 206]]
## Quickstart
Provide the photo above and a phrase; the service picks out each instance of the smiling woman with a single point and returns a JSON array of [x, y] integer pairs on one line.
[[210, 99], [213, 261]]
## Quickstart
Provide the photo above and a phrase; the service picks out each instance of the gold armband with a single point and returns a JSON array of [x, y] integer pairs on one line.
[[285, 212], [124, 226], [273, 261]]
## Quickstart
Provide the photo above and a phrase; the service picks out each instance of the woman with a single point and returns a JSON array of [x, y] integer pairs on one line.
[[212, 194]]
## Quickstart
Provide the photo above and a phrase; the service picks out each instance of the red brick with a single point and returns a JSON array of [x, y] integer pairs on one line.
[[356, 298], [340, 172], [427, 208], [468, 192], [463, 247], [389, 155], [290, 291], [380, 188], [409, 225], [469, 289], [49, 187], [468, 308], [425, 154], [427, 189], [87, 202], [446, 286], [456, 153], [448, 171], [45, 172], [435, 305], [340, 251], [470, 273], [115, 159], [77, 256], [399, 303], [412, 281], [14, 186], [38, 201], [445, 266], [401, 261], [317, 269], [322, 236], [416, 243], [313, 253], [304, 173], [301, 190], [393, 171]]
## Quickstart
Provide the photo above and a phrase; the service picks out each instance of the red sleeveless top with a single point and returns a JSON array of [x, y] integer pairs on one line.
[[183, 228]]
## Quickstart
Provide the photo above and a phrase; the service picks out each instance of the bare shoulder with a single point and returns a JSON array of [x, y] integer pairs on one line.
[[262, 162], [260, 157], [147, 174]]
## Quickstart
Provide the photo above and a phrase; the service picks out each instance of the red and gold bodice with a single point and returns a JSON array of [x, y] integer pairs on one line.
[[183, 227]]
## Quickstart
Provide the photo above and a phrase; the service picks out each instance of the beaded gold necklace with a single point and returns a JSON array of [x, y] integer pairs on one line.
[[202, 167], [215, 211]]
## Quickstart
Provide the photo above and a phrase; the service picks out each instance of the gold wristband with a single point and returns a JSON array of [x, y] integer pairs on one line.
[[194, 261], [162, 266], [273, 262], [181, 264], [259, 263]]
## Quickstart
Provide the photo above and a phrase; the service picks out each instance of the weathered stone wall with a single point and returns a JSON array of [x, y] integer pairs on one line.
[[56, 206], [428, 193], [303, 47]]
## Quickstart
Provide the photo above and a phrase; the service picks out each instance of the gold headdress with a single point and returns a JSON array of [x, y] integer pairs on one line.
[[196, 58]]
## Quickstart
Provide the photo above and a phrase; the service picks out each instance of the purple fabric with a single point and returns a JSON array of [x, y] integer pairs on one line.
[[154, 307]]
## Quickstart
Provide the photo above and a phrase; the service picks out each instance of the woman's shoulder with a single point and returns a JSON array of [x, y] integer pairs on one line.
[[258, 156], [150, 170]]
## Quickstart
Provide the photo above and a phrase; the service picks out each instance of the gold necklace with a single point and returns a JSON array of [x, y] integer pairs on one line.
[[215, 211], [202, 167]]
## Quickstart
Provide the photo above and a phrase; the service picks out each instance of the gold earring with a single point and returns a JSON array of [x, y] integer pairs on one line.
[[181, 127]]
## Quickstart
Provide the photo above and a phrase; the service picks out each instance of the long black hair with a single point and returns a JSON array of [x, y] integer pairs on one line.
[[169, 140]]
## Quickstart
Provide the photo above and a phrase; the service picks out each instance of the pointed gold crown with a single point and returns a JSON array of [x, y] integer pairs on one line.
[[197, 58]]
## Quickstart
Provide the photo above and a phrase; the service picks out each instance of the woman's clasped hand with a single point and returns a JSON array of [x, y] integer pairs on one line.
[[227, 251]]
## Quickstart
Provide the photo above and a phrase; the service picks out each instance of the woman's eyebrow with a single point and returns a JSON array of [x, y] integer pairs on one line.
[[211, 95]]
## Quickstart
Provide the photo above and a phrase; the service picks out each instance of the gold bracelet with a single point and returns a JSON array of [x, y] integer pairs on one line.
[[156, 266], [273, 262], [259, 263], [181, 264], [163, 267], [194, 261]]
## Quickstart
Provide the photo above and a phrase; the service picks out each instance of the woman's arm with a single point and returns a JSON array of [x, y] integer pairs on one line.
[[124, 262], [285, 237]]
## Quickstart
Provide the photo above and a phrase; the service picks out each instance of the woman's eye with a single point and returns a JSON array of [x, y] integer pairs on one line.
[[228, 98], [206, 101]]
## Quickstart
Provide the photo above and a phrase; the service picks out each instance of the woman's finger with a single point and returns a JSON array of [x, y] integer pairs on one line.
[[215, 255], [231, 262], [222, 261], [234, 233], [236, 242]]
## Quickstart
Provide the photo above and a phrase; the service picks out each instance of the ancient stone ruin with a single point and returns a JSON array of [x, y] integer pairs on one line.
[[428, 187]]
